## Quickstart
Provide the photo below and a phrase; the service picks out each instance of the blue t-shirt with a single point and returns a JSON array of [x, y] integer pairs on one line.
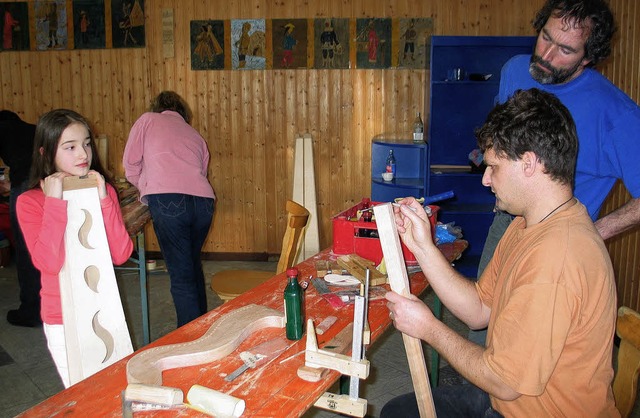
[[608, 125]]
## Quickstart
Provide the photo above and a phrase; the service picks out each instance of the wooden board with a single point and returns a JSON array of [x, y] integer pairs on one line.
[[96, 333], [399, 282], [324, 267], [357, 266], [219, 340], [304, 192]]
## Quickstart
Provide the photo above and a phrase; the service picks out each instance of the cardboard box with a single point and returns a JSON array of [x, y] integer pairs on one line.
[[353, 236]]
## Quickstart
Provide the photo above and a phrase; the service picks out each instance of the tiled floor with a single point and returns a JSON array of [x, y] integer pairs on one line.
[[29, 375]]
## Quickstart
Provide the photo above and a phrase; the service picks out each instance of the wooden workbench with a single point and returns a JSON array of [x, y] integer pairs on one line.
[[272, 389]]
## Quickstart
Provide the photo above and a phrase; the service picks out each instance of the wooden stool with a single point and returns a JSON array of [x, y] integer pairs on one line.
[[230, 283]]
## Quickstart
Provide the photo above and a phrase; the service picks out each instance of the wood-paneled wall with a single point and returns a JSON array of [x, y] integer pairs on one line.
[[250, 118]]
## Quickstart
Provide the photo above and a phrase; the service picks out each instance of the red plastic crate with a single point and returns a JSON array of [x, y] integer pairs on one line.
[[350, 236]]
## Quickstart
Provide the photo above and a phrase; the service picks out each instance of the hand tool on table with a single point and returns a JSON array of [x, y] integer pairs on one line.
[[438, 197], [321, 287], [258, 354], [250, 360]]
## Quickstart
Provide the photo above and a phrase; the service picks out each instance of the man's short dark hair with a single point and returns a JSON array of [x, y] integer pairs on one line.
[[593, 14], [536, 121]]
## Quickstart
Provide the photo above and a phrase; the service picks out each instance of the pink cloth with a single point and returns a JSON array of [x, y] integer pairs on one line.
[[43, 221], [164, 154]]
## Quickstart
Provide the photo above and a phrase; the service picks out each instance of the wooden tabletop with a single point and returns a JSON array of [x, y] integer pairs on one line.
[[272, 389]]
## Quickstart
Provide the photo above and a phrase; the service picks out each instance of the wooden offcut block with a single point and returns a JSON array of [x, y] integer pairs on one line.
[[357, 266]]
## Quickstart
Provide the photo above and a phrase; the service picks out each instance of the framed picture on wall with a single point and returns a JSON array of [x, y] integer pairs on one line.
[[88, 24], [127, 23], [51, 25], [207, 44], [289, 40], [373, 43], [248, 44], [331, 43], [15, 26], [413, 42]]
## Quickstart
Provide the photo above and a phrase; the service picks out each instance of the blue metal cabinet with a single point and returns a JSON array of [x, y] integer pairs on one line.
[[411, 167], [457, 108]]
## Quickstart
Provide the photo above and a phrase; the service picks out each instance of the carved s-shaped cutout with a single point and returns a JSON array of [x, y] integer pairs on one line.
[[83, 233], [92, 277], [104, 335]]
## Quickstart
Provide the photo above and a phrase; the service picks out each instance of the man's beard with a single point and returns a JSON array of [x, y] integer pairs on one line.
[[555, 76]]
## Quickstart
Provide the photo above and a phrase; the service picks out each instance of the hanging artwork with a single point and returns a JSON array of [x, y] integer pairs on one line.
[[289, 39], [331, 43], [127, 23], [88, 24], [413, 44], [51, 24], [248, 44], [15, 27], [373, 43], [207, 44]]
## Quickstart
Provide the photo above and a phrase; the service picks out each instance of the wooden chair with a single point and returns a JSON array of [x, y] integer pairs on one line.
[[230, 283], [625, 384]]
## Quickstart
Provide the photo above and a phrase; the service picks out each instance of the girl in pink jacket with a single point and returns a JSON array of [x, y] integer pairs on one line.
[[63, 146]]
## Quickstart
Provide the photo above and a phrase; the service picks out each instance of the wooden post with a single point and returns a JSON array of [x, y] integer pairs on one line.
[[399, 282], [304, 193]]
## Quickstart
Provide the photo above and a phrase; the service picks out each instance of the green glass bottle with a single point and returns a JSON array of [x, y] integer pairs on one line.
[[293, 306]]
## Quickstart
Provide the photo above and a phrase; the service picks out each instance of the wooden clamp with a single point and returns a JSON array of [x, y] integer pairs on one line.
[[338, 344], [399, 282], [314, 357]]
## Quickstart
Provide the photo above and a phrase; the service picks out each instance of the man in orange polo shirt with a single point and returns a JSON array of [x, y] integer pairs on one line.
[[547, 296]]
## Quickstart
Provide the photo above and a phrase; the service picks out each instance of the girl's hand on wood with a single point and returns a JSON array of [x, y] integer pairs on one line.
[[52, 185], [102, 188]]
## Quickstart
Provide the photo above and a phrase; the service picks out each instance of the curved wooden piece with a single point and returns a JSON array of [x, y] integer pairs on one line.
[[224, 336]]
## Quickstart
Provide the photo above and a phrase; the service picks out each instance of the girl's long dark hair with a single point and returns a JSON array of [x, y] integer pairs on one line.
[[48, 132]]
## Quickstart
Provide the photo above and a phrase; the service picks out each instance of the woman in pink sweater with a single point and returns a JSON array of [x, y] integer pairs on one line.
[[63, 146]]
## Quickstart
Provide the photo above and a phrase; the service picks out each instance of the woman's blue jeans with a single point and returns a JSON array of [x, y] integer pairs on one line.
[[181, 223]]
